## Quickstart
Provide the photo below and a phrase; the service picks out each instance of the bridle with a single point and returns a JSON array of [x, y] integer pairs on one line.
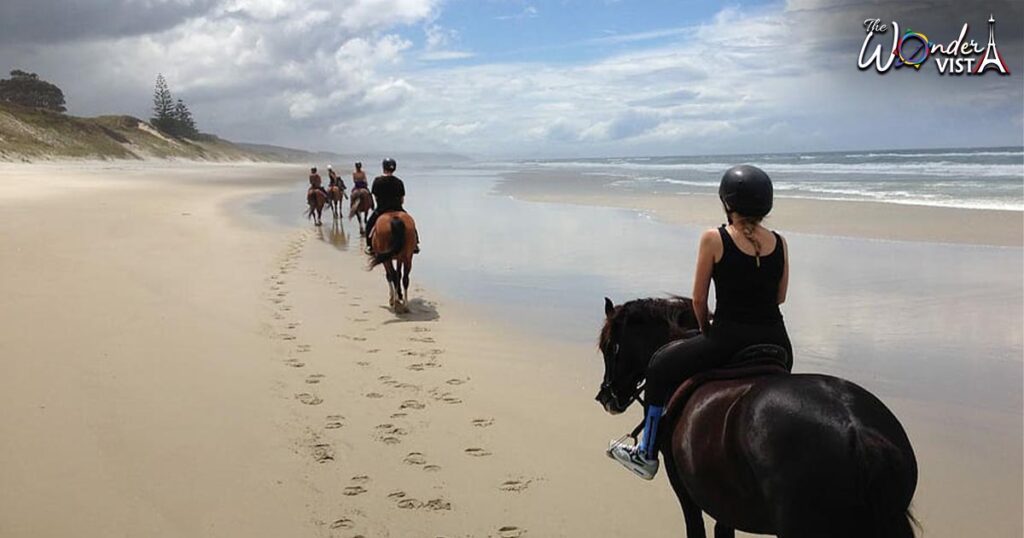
[[638, 383]]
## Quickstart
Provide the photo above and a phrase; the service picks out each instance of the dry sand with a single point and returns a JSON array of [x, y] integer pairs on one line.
[[172, 369]]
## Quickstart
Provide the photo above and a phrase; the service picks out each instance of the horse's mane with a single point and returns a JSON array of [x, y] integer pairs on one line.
[[672, 311]]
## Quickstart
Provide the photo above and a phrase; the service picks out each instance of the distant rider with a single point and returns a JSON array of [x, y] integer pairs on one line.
[[334, 179], [359, 178], [389, 191], [315, 183]]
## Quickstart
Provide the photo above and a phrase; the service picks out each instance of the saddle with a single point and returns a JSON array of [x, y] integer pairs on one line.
[[752, 361]]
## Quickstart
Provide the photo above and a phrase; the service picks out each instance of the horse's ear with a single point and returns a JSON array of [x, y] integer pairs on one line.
[[608, 307]]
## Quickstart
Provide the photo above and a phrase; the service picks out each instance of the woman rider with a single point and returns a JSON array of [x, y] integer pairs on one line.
[[750, 267]]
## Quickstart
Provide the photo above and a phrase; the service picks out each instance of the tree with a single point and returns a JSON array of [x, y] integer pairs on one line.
[[183, 122], [27, 89], [163, 106]]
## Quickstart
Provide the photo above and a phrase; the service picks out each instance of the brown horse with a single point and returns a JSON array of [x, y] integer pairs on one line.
[[360, 205], [316, 200], [335, 194], [794, 455], [394, 240]]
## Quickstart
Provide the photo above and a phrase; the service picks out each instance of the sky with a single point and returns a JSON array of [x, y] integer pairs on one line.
[[527, 78]]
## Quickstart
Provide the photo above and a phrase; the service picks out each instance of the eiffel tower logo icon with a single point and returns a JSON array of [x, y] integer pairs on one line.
[[992, 58]]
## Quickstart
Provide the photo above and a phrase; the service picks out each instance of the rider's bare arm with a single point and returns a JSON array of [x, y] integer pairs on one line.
[[710, 244], [784, 281]]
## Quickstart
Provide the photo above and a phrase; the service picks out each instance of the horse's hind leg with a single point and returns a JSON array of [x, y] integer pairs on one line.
[[721, 531], [692, 514], [406, 269]]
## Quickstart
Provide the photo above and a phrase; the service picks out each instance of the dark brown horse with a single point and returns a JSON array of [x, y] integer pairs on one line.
[[316, 200], [795, 455], [360, 205], [394, 241], [335, 195]]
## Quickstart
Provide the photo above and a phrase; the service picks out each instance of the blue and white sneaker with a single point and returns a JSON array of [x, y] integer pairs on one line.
[[631, 458]]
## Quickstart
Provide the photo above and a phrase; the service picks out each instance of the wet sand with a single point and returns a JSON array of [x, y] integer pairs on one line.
[[871, 220], [175, 365]]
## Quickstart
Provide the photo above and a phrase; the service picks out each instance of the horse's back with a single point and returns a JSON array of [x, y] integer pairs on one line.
[[801, 447]]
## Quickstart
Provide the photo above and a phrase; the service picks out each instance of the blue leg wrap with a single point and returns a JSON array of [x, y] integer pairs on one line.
[[648, 447]]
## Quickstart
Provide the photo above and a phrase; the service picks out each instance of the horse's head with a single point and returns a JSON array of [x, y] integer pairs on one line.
[[631, 334]]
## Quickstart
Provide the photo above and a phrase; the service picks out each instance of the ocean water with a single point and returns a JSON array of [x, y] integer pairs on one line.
[[979, 178]]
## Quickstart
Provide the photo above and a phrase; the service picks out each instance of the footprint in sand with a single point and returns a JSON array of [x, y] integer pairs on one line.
[[309, 399], [483, 422], [399, 415], [294, 363], [420, 330], [292, 325], [314, 378], [323, 452], [477, 452], [362, 363], [418, 367], [396, 495], [415, 458], [374, 395], [422, 339], [432, 468], [456, 381], [277, 300], [374, 350], [359, 338], [352, 491], [411, 404], [343, 523], [334, 422], [360, 479], [514, 486], [451, 400], [287, 337], [509, 531], [303, 348]]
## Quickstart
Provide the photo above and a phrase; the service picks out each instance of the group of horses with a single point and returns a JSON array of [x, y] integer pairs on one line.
[[394, 236], [360, 204]]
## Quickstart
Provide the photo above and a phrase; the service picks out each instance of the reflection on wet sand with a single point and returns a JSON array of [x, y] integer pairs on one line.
[[335, 235]]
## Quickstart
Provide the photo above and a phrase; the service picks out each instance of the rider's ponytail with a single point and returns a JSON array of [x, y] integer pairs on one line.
[[748, 224]]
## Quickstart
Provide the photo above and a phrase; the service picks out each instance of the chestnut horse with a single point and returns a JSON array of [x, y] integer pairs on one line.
[[795, 455], [360, 205], [316, 200], [394, 240], [335, 195]]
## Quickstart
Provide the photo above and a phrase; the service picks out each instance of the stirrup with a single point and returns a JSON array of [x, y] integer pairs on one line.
[[630, 457]]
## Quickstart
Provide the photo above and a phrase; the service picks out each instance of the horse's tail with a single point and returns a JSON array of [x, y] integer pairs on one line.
[[397, 243], [889, 476]]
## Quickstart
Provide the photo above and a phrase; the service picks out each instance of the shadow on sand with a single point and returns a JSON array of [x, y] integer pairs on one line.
[[419, 310]]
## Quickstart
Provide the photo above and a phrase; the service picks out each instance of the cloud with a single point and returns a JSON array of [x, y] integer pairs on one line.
[[529, 12]]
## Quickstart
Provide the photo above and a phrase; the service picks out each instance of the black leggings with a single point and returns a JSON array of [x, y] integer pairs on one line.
[[677, 361]]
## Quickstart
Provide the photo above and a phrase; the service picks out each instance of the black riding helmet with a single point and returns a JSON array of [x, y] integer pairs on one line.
[[747, 190], [389, 165]]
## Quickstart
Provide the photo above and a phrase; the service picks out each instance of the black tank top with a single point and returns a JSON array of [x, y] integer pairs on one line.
[[744, 292]]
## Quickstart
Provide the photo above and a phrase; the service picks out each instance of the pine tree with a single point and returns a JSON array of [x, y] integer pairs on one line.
[[185, 126], [163, 106]]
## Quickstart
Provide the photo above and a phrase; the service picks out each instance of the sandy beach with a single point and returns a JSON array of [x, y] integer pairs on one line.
[[175, 366]]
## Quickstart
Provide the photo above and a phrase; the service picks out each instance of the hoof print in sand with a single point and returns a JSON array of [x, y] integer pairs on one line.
[[437, 504], [374, 395], [409, 504], [323, 452], [362, 363], [411, 404], [514, 486], [432, 468], [309, 399], [483, 422], [313, 379], [343, 523], [295, 363], [509, 531], [456, 381], [415, 458], [477, 452], [352, 491]]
